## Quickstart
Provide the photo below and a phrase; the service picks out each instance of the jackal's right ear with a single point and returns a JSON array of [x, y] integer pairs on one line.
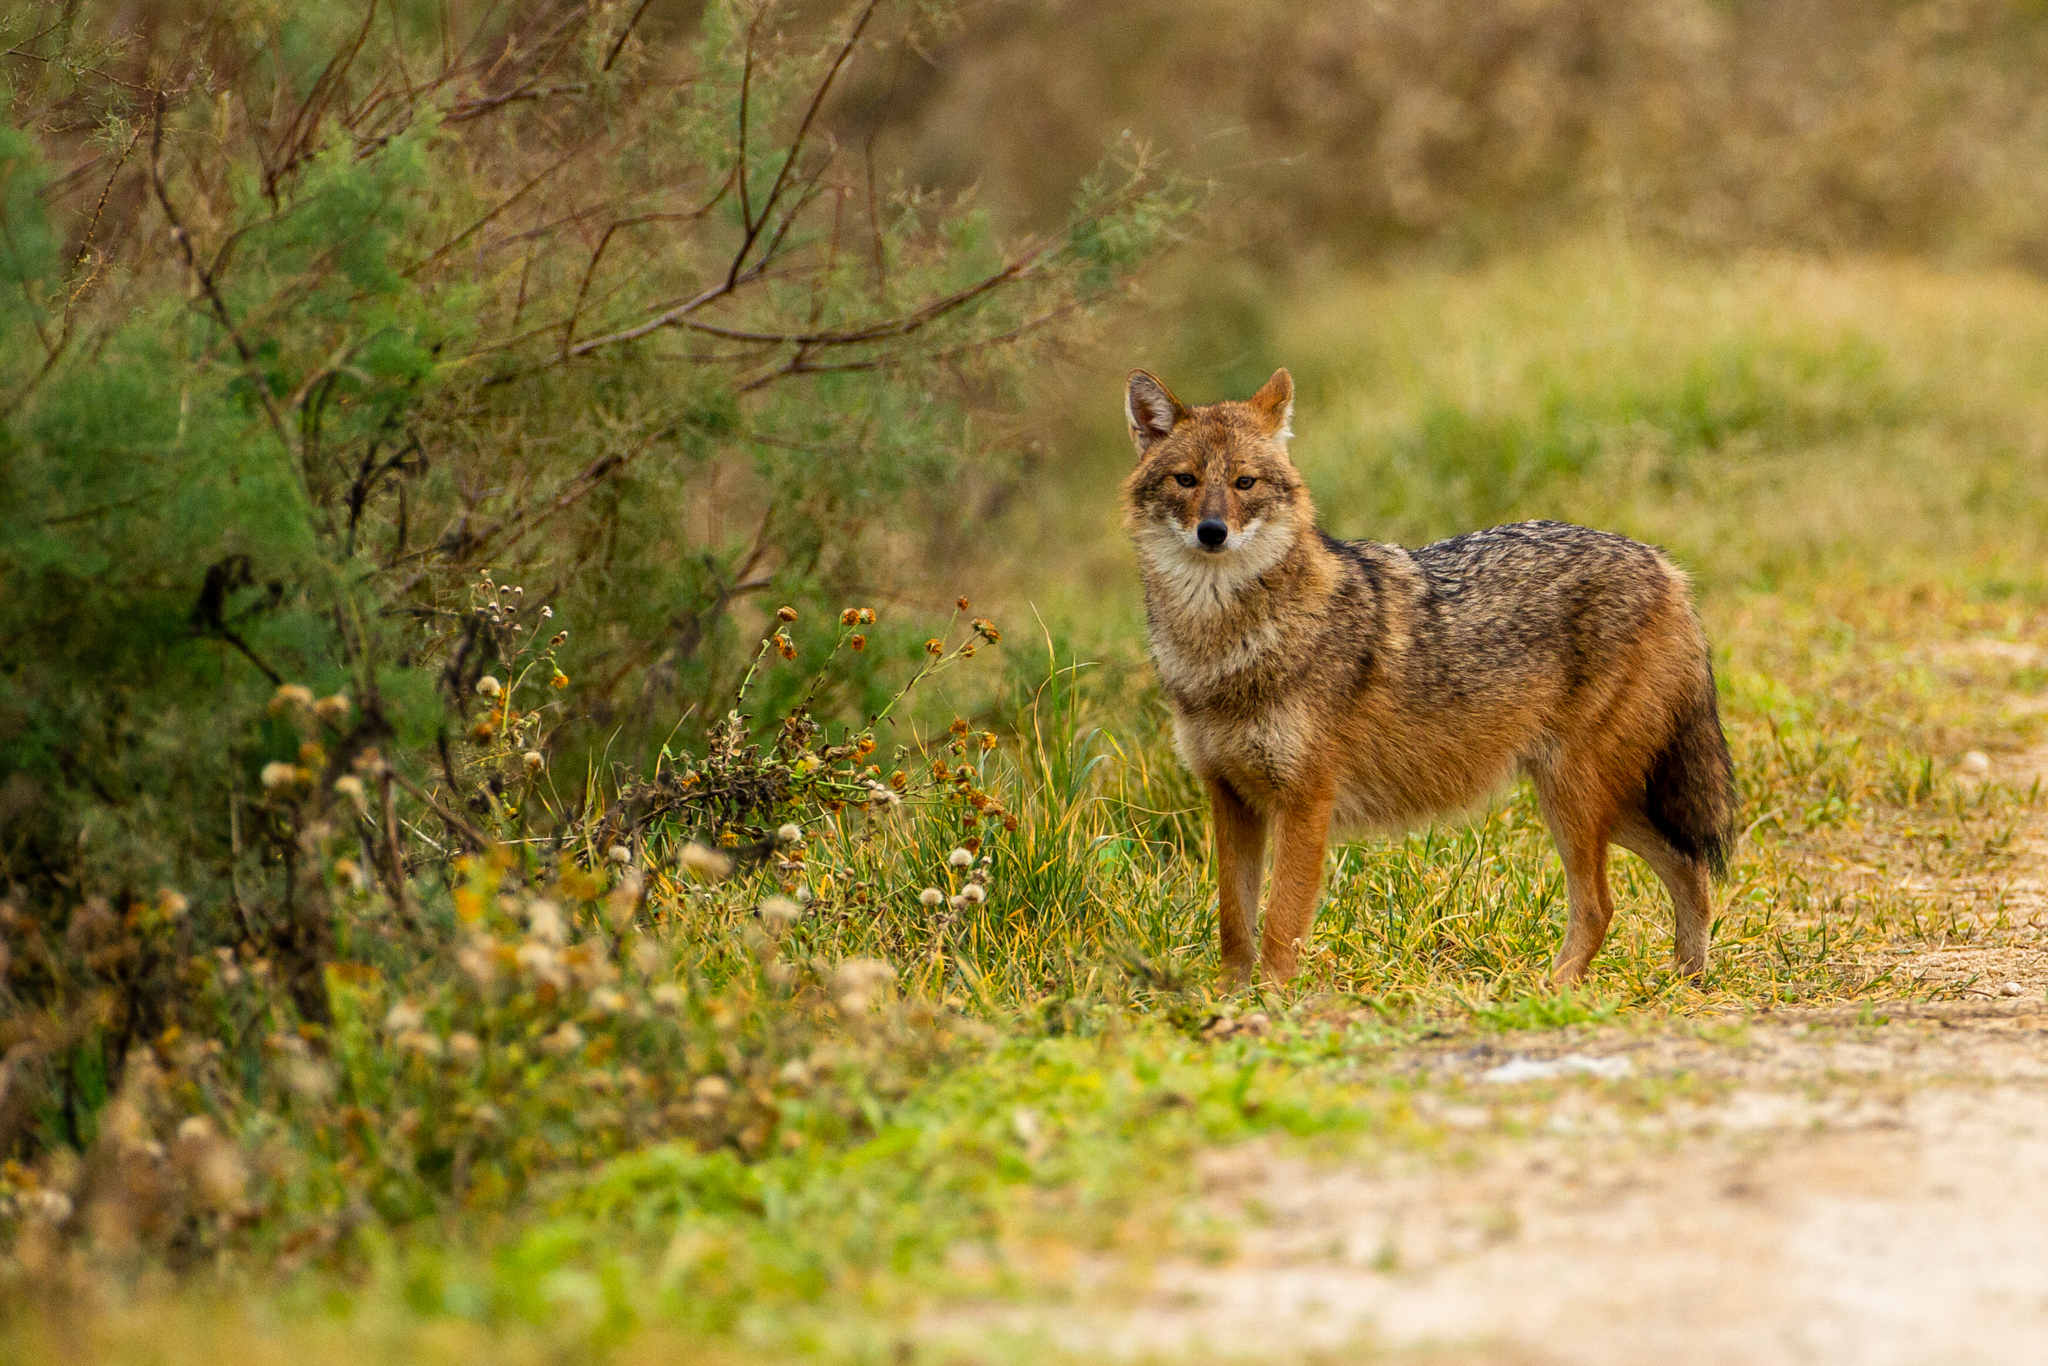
[[1151, 409]]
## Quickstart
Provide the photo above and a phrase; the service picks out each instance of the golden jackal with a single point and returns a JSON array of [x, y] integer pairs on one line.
[[1318, 683]]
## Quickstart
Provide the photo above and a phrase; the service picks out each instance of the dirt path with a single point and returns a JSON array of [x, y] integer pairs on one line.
[[1823, 1192], [1868, 1195]]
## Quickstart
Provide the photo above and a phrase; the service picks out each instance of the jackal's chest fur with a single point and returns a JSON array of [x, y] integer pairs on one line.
[[1231, 670]]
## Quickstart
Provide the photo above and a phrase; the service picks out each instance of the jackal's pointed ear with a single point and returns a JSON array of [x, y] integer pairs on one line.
[[1151, 409], [1274, 403]]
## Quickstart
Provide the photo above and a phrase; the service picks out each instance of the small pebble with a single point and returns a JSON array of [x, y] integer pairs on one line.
[[1975, 764], [2012, 989]]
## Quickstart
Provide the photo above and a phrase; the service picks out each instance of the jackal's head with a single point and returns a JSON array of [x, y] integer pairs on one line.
[[1214, 501]]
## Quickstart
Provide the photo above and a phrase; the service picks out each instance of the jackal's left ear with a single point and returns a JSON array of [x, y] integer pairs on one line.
[[1151, 409], [1275, 404]]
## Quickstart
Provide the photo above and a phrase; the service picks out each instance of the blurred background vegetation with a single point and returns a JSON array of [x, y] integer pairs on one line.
[[412, 418]]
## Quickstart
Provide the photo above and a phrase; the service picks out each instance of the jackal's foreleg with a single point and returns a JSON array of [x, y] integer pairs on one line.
[[1240, 863], [1301, 833]]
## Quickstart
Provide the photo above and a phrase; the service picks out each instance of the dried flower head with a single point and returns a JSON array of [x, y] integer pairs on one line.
[[785, 614], [935, 647], [463, 1047], [350, 786], [668, 996], [791, 833], [778, 913], [931, 896], [534, 760], [859, 642], [619, 853], [544, 922], [402, 1017], [849, 617], [711, 1089], [564, 1040], [960, 858], [279, 775], [704, 862], [960, 603], [986, 629], [291, 697], [334, 709], [489, 686], [862, 974], [973, 894]]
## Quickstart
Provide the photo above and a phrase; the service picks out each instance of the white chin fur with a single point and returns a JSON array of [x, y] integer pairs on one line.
[[1202, 580]]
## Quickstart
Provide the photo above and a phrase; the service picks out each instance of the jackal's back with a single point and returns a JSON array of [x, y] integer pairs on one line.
[[1542, 605]]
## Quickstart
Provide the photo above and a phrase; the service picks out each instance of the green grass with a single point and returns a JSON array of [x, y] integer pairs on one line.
[[1850, 458]]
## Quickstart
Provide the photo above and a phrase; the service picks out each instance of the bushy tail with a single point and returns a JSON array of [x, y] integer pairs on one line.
[[1691, 798]]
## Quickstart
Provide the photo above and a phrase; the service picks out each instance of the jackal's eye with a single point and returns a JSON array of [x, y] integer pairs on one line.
[[1246, 482], [1186, 481]]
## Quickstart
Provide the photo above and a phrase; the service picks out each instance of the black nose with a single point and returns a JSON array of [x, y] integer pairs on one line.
[[1212, 533]]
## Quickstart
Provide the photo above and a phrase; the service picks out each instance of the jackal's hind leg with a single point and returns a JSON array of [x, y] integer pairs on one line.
[[1686, 879], [1240, 835]]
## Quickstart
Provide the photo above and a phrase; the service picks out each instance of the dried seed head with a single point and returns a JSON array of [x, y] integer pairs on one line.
[[785, 614], [403, 1017], [534, 760], [463, 1047], [489, 686], [973, 894], [778, 913], [544, 922], [711, 1089], [291, 697], [565, 1039], [791, 833], [931, 896], [334, 709], [279, 775], [960, 603], [619, 853], [705, 863], [350, 786], [668, 996], [960, 858], [862, 974]]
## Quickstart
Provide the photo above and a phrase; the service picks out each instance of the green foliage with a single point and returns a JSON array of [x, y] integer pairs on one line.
[[324, 342]]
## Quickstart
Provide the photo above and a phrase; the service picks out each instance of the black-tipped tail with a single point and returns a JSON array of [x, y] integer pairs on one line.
[[1691, 798]]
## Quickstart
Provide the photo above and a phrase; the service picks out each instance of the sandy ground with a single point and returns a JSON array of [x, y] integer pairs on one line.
[[1870, 1195], [1822, 1190]]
